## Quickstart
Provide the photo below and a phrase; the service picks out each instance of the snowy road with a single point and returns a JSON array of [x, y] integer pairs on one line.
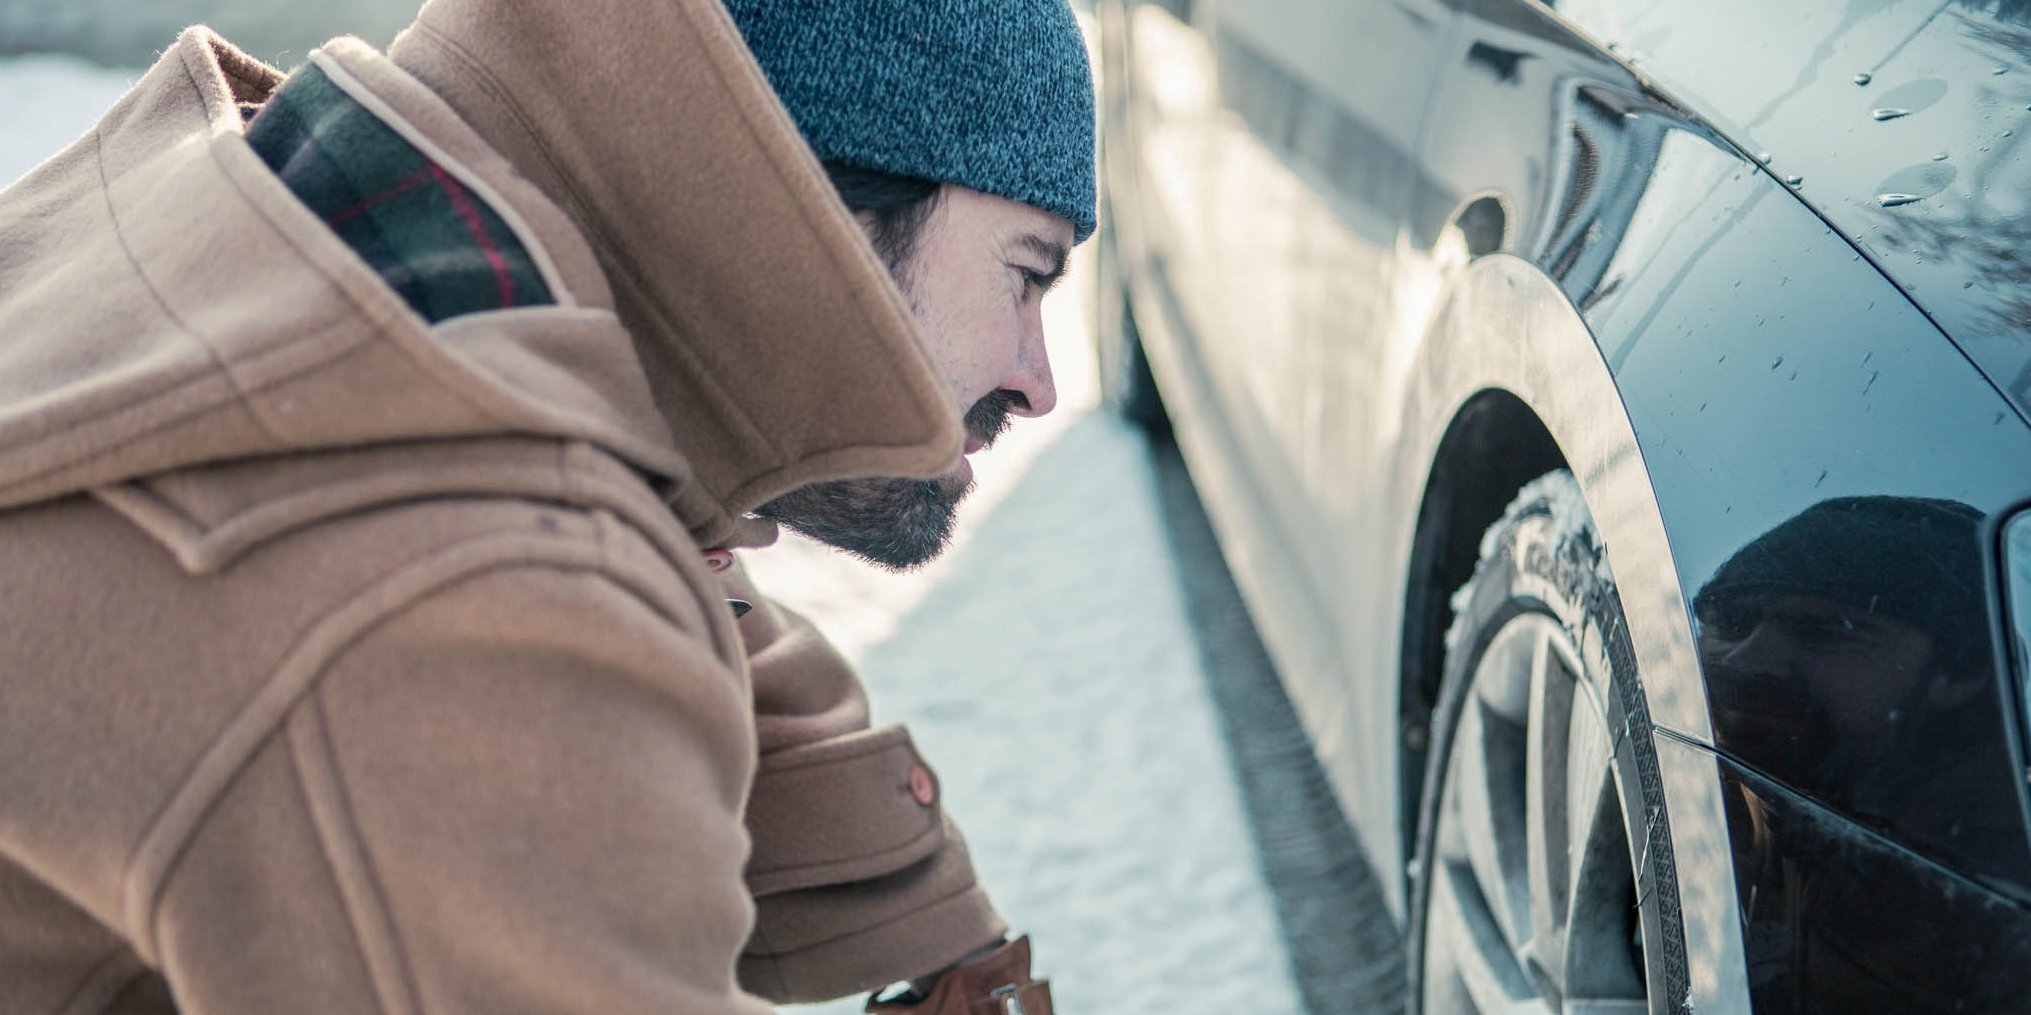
[[1046, 665]]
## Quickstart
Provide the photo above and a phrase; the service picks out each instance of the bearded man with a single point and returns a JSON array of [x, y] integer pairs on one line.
[[373, 444]]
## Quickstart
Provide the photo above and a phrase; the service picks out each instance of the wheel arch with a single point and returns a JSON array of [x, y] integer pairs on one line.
[[1511, 383], [1493, 446]]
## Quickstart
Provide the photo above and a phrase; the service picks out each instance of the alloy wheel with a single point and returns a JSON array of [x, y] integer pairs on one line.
[[1533, 904]]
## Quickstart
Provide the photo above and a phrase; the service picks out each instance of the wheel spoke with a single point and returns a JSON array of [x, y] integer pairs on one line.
[[1601, 963], [1459, 928], [1589, 764], [1489, 773], [1551, 700]]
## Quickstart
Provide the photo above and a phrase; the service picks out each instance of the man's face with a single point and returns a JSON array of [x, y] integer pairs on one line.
[[1794, 668], [976, 278]]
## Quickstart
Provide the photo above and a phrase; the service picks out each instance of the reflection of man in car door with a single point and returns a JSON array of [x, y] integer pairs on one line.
[[1846, 643], [1847, 655]]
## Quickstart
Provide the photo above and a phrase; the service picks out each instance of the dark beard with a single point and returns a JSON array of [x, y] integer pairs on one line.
[[894, 523]]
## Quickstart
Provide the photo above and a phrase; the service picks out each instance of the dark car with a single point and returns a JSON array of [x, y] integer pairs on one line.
[[1615, 415]]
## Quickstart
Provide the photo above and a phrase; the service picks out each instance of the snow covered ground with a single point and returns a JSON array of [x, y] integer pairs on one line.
[[1045, 664]]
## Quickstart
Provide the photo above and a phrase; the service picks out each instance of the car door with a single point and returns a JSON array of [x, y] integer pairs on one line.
[[1260, 156]]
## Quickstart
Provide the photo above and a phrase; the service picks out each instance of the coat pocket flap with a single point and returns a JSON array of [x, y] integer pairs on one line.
[[841, 810]]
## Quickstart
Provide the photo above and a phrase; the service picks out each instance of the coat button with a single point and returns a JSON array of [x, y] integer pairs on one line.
[[921, 786]]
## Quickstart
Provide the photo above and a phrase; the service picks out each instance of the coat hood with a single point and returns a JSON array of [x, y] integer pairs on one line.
[[720, 323], [767, 324]]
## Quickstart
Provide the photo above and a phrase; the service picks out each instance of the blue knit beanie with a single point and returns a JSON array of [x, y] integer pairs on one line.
[[994, 95]]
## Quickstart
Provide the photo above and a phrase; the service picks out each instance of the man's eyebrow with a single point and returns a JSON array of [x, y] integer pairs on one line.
[[1053, 253]]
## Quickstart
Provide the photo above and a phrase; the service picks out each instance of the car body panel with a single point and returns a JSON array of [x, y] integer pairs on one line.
[[1731, 315], [1224, 229], [1952, 82], [1712, 358], [1842, 920]]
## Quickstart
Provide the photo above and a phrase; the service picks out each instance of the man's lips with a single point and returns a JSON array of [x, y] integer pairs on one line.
[[974, 444]]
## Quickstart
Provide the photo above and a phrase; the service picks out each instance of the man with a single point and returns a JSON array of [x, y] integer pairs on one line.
[[369, 445], [1851, 639], [1848, 654]]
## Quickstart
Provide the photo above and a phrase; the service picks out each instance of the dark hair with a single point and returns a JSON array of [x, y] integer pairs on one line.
[[896, 207]]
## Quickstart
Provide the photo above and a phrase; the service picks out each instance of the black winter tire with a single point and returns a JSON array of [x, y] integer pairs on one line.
[[1127, 387], [1544, 879]]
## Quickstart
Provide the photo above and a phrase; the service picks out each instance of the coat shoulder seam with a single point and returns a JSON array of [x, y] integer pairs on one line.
[[166, 837]]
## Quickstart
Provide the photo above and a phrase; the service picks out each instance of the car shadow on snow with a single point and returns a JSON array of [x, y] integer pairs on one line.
[[1345, 949]]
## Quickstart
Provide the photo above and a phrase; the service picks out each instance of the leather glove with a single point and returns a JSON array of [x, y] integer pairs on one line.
[[998, 984]]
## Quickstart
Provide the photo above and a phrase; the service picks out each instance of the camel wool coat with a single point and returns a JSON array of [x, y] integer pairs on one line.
[[355, 658]]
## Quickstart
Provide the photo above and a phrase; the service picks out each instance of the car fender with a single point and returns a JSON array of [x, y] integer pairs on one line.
[[1503, 325]]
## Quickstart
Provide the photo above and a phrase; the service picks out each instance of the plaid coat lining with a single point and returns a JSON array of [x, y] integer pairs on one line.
[[433, 240]]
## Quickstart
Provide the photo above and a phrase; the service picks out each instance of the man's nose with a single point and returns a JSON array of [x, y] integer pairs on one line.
[[1766, 651], [1031, 376]]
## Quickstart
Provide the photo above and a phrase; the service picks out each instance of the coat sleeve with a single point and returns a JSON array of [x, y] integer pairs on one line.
[[859, 877], [521, 793]]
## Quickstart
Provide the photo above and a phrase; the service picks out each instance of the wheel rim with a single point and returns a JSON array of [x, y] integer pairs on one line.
[[1533, 904]]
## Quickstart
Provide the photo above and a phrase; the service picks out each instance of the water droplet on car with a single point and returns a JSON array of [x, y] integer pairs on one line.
[[1778, 362], [1911, 97], [1939, 157], [1967, 285], [1863, 78], [1889, 113], [1794, 179], [1915, 183], [1999, 69], [1763, 157]]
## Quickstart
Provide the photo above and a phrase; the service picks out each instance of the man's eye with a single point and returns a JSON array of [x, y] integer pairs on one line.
[[1732, 621], [1037, 281]]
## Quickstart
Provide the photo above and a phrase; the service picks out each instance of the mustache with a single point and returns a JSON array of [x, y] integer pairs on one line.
[[989, 417]]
